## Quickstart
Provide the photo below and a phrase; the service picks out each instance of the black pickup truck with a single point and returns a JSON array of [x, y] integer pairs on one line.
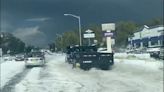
[[87, 57]]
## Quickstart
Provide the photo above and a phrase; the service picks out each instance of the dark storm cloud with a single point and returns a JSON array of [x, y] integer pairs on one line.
[[48, 14], [31, 35]]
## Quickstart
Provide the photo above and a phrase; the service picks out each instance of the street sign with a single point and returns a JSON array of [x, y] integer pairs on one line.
[[89, 35], [108, 34], [108, 26], [88, 31]]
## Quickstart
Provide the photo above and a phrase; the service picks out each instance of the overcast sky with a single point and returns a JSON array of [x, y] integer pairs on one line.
[[37, 21]]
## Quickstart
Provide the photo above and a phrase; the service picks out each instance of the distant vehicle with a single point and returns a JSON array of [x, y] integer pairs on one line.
[[8, 58], [154, 52], [35, 59], [87, 57], [19, 57]]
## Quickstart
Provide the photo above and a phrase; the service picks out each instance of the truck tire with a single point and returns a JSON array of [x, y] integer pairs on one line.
[[112, 63], [73, 63], [85, 66], [105, 67]]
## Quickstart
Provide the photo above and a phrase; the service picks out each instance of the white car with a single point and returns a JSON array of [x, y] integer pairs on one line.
[[34, 61], [8, 58]]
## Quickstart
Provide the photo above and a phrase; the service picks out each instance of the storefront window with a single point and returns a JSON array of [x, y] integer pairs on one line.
[[138, 45], [154, 42], [145, 44], [162, 43]]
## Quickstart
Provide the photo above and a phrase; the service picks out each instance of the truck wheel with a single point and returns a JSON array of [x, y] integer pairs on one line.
[[105, 67], [85, 67], [112, 63], [28, 66], [73, 64]]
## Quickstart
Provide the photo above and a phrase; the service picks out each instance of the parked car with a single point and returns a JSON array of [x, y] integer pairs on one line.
[[8, 58], [154, 52]]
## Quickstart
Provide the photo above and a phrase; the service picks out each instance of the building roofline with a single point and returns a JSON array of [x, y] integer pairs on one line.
[[151, 27], [147, 27]]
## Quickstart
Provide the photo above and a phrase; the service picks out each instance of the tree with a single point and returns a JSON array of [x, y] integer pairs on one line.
[[98, 32], [11, 43], [123, 31], [155, 21], [29, 48], [52, 47], [66, 39]]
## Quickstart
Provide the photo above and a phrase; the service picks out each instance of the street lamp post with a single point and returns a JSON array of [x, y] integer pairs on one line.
[[60, 36], [1, 51], [79, 20]]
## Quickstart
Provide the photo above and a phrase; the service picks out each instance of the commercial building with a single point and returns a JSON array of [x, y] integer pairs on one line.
[[147, 37]]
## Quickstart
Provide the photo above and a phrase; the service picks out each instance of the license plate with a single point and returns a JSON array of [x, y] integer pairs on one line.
[[87, 61]]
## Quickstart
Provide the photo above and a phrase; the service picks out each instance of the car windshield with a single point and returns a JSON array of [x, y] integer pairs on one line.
[[35, 54]]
